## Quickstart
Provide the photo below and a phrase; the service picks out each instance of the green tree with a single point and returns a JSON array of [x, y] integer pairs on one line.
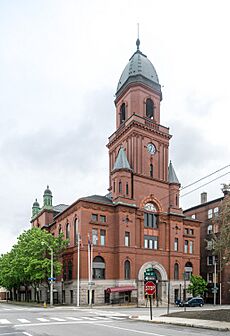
[[197, 285], [28, 263], [221, 239]]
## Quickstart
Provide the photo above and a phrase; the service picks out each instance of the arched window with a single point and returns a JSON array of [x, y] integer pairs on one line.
[[120, 187], [176, 271], [188, 270], [70, 270], [150, 217], [122, 113], [151, 170], [176, 200], [59, 230], [75, 230], [67, 234], [98, 268], [64, 270], [127, 188], [149, 108], [127, 269]]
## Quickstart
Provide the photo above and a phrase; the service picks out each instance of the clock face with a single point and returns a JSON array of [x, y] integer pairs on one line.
[[151, 148]]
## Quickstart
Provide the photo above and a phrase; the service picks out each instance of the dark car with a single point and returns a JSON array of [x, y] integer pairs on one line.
[[193, 302]]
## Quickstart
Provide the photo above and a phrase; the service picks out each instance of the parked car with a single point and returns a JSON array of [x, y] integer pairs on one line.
[[193, 302]]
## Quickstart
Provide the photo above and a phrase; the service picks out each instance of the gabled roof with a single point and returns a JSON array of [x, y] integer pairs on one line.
[[121, 160], [172, 178]]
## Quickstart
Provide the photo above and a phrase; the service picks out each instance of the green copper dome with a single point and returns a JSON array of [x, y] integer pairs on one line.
[[47, 191], [36, 204]]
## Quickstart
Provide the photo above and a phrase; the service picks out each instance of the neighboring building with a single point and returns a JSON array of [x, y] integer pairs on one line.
[[3, 294], [212, 266], [139, 224]]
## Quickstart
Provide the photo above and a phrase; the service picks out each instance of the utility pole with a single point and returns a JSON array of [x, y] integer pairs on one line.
[[78, 270]]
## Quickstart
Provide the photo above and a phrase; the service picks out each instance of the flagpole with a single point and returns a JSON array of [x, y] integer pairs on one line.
[[78, 270], [91, 274], [89, 269]]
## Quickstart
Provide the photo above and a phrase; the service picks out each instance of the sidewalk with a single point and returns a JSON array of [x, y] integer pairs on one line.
[[204, 324]]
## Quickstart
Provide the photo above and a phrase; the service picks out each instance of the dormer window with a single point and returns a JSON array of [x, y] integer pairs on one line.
[[122, 113], [149, 108]]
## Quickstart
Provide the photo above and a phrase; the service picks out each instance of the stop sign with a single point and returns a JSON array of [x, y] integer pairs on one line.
[[150, 288]]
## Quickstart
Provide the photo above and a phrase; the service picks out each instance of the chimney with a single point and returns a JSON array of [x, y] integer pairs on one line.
[[226, 189], [203, 197]]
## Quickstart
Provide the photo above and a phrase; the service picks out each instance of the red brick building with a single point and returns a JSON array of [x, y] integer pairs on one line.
[[139, 224], [213, 268]]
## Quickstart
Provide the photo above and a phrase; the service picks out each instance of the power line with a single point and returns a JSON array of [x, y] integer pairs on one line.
[[189, 185], [204, 184]]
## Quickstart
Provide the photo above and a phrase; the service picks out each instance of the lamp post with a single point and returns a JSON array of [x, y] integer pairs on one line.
[[78, 270], [51, 272], [214, 287]]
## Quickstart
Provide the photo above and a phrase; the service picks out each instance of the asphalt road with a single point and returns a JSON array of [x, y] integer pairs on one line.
[[69, 321]]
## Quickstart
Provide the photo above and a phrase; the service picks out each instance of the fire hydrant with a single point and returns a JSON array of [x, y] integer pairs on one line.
[[45, 306]]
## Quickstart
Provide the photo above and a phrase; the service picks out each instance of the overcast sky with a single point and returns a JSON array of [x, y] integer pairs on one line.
[[60, 62]]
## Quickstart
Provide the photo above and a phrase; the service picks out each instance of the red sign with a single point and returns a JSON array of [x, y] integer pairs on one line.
[[150, 288]]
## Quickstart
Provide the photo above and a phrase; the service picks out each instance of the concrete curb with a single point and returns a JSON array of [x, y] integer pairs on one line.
[[203, 324]]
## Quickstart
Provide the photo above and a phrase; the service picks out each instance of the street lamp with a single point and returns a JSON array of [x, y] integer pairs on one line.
[[51, 272], [214, 287]]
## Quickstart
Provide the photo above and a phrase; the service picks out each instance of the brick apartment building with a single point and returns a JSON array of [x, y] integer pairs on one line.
[[213, 268], [139, 223]]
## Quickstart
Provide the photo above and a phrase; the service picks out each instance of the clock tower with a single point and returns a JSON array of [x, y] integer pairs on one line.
[[138, 149]]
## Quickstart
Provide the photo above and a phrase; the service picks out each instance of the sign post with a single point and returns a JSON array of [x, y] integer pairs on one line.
[[150, 289]]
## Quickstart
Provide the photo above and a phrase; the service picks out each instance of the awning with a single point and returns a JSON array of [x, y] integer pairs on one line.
[[120, 289]]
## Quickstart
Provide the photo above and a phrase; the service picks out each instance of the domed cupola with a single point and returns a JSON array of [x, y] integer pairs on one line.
[[139, 70], [35, 208], [47, 198]]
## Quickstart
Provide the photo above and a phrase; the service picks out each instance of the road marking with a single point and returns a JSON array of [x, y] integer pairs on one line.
[[131, 330], [5, 321], [117, 318], [57, 319], [41, 319], [102, 317], [23, 320], [73, 318], [26, 333], [88, 318], [12, 333], [56, 323]]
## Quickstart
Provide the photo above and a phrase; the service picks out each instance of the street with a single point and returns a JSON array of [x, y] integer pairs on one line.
[[31, 321]]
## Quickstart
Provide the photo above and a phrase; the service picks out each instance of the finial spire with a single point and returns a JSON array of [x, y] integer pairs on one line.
[[138, 40]]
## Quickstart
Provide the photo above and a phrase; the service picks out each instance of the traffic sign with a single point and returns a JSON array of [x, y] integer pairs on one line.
[[150, 288], [150, 274], [150, 278], [52, 279]]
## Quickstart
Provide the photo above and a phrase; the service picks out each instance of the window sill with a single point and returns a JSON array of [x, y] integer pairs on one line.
[[98, 223]]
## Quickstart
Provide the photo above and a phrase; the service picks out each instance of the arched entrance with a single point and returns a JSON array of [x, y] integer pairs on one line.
[[161, 279]]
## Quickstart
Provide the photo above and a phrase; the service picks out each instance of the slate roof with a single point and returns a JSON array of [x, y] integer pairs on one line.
[[121, 160], [97, 199], [60, 207], [139, 68], [172, 178]]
